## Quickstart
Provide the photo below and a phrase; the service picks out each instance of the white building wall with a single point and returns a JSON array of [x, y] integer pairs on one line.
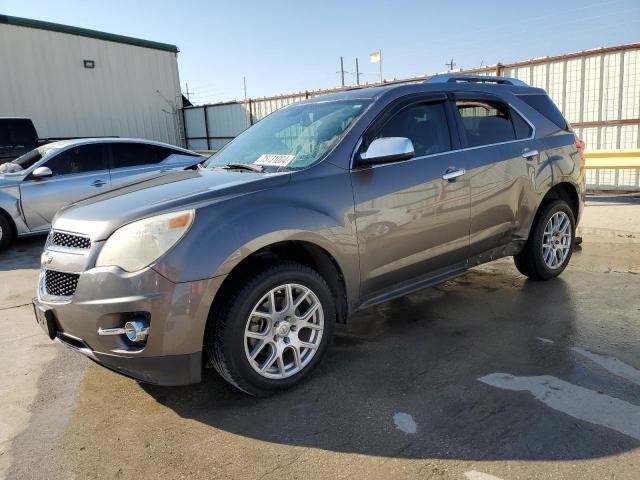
[[133, 91]]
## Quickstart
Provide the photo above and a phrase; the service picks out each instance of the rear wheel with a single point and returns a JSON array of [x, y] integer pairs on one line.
[[274, 330], [6, 232], [550, 244]]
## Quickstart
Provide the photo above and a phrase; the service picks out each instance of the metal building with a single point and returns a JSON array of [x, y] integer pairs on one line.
[[597, 90], [74, 82]]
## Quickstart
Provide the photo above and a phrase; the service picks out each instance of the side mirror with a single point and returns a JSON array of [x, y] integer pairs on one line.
[[388, 149], [42, 172]]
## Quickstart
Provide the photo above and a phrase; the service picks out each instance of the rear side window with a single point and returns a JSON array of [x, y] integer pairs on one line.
[[165, 152], [545, 107], [81, 159], [134, 154], [485, 122], [522, 128], [424, 124]]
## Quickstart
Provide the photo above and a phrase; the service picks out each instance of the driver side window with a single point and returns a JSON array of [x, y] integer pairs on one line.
[[424, 124], [80, 159]]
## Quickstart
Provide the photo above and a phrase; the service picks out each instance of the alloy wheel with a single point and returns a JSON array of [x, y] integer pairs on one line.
[[284, 331], [557, 240]]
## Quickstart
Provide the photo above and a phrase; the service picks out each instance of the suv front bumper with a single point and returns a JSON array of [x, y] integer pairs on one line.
[[107, 297]]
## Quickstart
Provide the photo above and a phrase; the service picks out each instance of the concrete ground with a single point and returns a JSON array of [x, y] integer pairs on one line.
[[488, 376]]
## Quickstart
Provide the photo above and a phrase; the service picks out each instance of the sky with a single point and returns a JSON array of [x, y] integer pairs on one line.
[[284, 46]]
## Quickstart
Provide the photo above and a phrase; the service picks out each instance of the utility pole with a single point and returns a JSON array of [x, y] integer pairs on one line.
[[451, 64], [342, 70], [357, 72], [380, 63], [186, 93], [244, 80]]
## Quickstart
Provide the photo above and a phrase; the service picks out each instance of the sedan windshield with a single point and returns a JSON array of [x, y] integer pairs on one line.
[[33, 156], [295, 137]]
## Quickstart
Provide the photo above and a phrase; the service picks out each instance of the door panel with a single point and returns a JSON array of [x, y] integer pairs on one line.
[[499, 181], [500, 177], [41, 199], [78, 172], [122, 176], [411, 222]]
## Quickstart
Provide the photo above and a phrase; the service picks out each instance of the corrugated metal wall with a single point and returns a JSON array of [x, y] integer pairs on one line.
[[597, 91], [225, 121], [133, 91], [598, 94]]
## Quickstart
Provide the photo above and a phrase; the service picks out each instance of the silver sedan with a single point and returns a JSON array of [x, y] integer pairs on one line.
[[38, 184]]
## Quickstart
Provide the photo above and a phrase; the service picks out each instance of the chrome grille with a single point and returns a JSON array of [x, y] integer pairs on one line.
[[70, 241], [60, 284]]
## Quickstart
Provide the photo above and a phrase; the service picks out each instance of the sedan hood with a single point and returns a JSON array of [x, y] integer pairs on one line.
[[101, 215]]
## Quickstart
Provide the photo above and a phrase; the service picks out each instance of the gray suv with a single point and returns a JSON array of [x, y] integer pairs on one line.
[[321, 209]]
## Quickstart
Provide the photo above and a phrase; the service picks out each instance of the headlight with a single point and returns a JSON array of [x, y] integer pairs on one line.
[[140, 243]]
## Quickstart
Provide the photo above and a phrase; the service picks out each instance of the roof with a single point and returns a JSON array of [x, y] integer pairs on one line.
[[83, 141], [373, 93], [85, 32]]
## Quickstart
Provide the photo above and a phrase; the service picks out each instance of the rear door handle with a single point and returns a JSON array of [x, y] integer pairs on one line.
[[453, 174], [529, 154], [98, 183]]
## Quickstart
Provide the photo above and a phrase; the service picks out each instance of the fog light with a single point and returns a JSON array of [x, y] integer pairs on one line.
[[136, 331]]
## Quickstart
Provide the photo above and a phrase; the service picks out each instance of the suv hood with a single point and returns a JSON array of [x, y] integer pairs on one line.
[[99, 216]]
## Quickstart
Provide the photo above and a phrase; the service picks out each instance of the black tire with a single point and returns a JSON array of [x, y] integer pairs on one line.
[[530, 261], [6, 232], [226, 338]]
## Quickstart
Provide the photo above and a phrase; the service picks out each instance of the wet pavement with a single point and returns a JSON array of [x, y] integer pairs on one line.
[[488, 376]]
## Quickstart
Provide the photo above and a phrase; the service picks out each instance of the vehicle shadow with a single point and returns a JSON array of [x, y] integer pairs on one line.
[[422, 355], [23, 253]]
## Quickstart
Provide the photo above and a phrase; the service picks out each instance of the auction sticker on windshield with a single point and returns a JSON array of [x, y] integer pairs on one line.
[[274, 159]]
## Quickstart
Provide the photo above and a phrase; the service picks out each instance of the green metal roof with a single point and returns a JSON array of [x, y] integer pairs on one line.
[[85, 32]]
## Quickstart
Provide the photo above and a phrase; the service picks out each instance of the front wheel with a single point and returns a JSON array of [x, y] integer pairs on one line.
[[274, 329], [550, 244]]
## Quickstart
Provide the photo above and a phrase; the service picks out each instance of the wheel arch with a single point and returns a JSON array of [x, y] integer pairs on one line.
[[12, 224], [302, 251], [562, 191], [305, 252]]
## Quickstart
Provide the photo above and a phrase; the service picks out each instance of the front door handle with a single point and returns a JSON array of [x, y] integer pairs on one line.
[[529, 154], [98, 183], [451, 174]]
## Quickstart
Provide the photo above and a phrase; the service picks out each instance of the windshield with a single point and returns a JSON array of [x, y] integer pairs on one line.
[[33, 156], [292, 138]]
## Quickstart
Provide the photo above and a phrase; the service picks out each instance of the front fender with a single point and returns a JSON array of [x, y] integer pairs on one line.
[[10, 204], [226, 233]]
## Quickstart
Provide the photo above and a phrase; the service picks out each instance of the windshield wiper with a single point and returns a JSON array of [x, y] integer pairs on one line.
[[243, 166]]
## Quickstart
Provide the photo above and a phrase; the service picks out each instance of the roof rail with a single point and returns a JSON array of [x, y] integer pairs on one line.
[[452, 78]]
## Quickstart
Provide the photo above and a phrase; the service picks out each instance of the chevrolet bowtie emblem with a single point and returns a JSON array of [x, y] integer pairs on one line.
[[47, 258]]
